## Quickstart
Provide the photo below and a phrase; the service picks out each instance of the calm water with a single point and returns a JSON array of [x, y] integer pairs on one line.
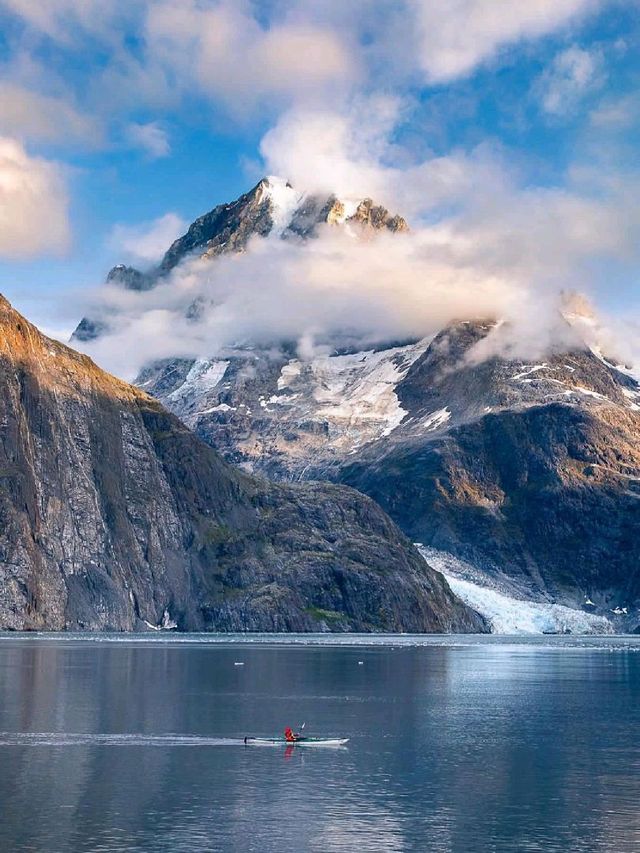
[[456, 745]]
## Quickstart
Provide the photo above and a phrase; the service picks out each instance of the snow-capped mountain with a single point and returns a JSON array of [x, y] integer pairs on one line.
[[272, 208], [527, 471]]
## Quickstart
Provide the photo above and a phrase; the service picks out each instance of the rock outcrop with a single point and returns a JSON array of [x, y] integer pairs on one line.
[[113, 515], [529, 472]]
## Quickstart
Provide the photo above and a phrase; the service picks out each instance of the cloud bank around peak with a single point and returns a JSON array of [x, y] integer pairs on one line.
[[488, 247]]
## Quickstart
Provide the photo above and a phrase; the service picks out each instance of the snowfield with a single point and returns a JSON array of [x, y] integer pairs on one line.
[[354, 393], [507, 614]]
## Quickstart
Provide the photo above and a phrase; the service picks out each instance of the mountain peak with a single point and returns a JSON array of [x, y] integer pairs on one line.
[[272, 208]]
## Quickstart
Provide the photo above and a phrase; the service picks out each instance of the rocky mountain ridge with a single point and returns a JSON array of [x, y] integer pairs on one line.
[[113, 515], [528, 471]]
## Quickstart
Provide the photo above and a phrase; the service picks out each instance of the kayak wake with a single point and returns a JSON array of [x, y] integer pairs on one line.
[[58, 739], [88, 739]]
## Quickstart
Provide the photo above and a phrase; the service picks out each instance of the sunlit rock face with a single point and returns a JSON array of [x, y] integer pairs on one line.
[[114, 515]]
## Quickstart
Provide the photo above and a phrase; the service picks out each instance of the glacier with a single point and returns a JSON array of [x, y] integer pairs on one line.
[[508, 614]]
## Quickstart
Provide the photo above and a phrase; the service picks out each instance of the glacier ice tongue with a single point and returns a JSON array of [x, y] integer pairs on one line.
[[510, 615]]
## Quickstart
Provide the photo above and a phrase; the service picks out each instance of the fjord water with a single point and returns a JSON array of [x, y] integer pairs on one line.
[[457, 744]]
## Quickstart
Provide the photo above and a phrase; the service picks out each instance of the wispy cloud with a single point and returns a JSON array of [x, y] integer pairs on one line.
[[146, 242], [573, 74], [150, 137], [454, 38], [28, 115]]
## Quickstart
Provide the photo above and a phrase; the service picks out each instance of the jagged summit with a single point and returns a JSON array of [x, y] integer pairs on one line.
[[129, 277], [272, 208]]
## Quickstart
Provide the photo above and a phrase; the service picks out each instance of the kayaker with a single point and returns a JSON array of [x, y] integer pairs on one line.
[[289, 735]]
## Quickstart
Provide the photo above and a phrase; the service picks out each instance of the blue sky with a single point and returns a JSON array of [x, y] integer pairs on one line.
[[515, 125]]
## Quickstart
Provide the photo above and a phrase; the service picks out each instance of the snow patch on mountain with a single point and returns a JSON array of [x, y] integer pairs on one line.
[[436, 419], [204, 376], [506, 613], [530, 370], [354, 391], [284, 201]]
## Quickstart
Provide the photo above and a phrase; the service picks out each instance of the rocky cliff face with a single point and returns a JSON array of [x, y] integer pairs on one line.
[[113, 515], [280, 415], [528, 471]]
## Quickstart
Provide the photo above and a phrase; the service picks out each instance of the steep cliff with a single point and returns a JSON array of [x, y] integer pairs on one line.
[[113, 515]]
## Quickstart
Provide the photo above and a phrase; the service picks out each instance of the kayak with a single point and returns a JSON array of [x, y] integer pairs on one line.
[[303, 741]]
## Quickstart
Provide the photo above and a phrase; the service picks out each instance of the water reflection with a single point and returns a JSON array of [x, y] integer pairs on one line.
[[454, 748]]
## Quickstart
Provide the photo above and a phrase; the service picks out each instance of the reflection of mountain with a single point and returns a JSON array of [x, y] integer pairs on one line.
[[528, 471], [114, 515]]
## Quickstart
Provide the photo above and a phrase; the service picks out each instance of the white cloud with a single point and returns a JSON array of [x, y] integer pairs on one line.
[[617, 112], [573, 73], [333, 151], [28, 115], [455, 36], [504, 250], [150, 137], [33, 204], [294, 53], [228, 55], [148, 241], [482, 239], [351, 153], [61, 19]]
